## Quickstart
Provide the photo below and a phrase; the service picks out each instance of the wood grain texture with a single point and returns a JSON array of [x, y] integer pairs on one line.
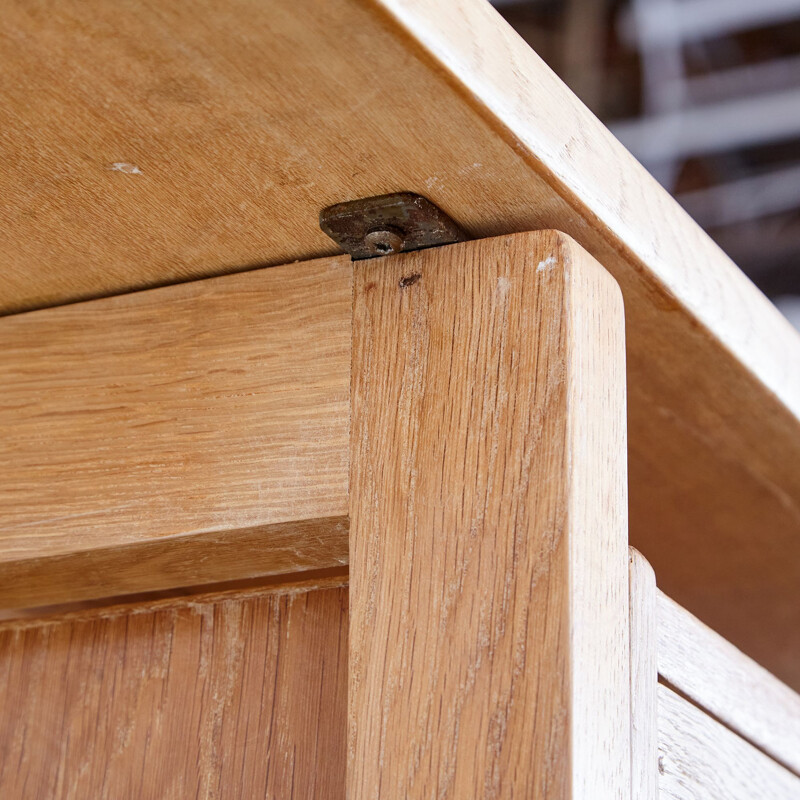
[[488, 558], [239, 696], [699, 759], [216, 409], [644, 679], [145, 144], [714, 484], [735, 689]]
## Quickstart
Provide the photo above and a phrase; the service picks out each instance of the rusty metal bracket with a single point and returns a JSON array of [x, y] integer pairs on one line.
[[389, 223]]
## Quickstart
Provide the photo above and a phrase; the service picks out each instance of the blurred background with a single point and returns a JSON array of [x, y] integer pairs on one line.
[[706, 94]]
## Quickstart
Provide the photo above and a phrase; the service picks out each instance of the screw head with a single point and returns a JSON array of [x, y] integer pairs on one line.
[[384, 241]]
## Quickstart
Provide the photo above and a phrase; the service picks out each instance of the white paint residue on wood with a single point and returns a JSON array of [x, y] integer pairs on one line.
[[547, 264], [124, 166]]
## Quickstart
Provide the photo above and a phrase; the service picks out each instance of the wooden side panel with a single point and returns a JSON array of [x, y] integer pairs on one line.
[[699, 759], [241, 696], [488, 566], [644, 680], [736, 690], [195, 410]]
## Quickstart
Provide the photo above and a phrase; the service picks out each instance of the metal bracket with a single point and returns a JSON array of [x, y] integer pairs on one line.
[[390, 223]]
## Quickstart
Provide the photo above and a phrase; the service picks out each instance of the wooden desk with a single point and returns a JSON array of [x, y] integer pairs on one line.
[[469, 452]]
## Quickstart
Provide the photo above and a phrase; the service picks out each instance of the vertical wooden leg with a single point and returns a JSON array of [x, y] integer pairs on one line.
[[488, 541]]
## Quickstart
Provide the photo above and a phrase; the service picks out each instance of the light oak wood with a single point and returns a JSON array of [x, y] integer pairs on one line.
[[145, 146], [235, 696], [720, 679], [157, 564], [644, 679], [172, 436], [488, 571], [699, 759], [310, 577]]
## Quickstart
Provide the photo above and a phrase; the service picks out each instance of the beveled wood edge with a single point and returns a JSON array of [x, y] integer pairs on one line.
[[111, 607], [285, 548]]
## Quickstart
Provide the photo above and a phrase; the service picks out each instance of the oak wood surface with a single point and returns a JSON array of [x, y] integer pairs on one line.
[[644, 679], [145, 144], [488, 558], [736, 690], [172, 436], [713, 462], [241, 695], [196, 559], [700, 759]]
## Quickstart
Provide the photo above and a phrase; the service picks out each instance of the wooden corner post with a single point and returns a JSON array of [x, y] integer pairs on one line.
[[488, 539]]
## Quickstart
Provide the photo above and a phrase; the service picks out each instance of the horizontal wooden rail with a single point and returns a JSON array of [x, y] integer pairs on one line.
[[183, 435]]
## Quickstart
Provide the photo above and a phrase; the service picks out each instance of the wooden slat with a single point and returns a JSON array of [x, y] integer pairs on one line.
[[142, 148], [488, 569], [173, 436], [719, 678], [699, 759], [644, 680], [235, 696]]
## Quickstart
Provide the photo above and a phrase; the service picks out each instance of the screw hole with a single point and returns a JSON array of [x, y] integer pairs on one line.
[[409, 280]]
